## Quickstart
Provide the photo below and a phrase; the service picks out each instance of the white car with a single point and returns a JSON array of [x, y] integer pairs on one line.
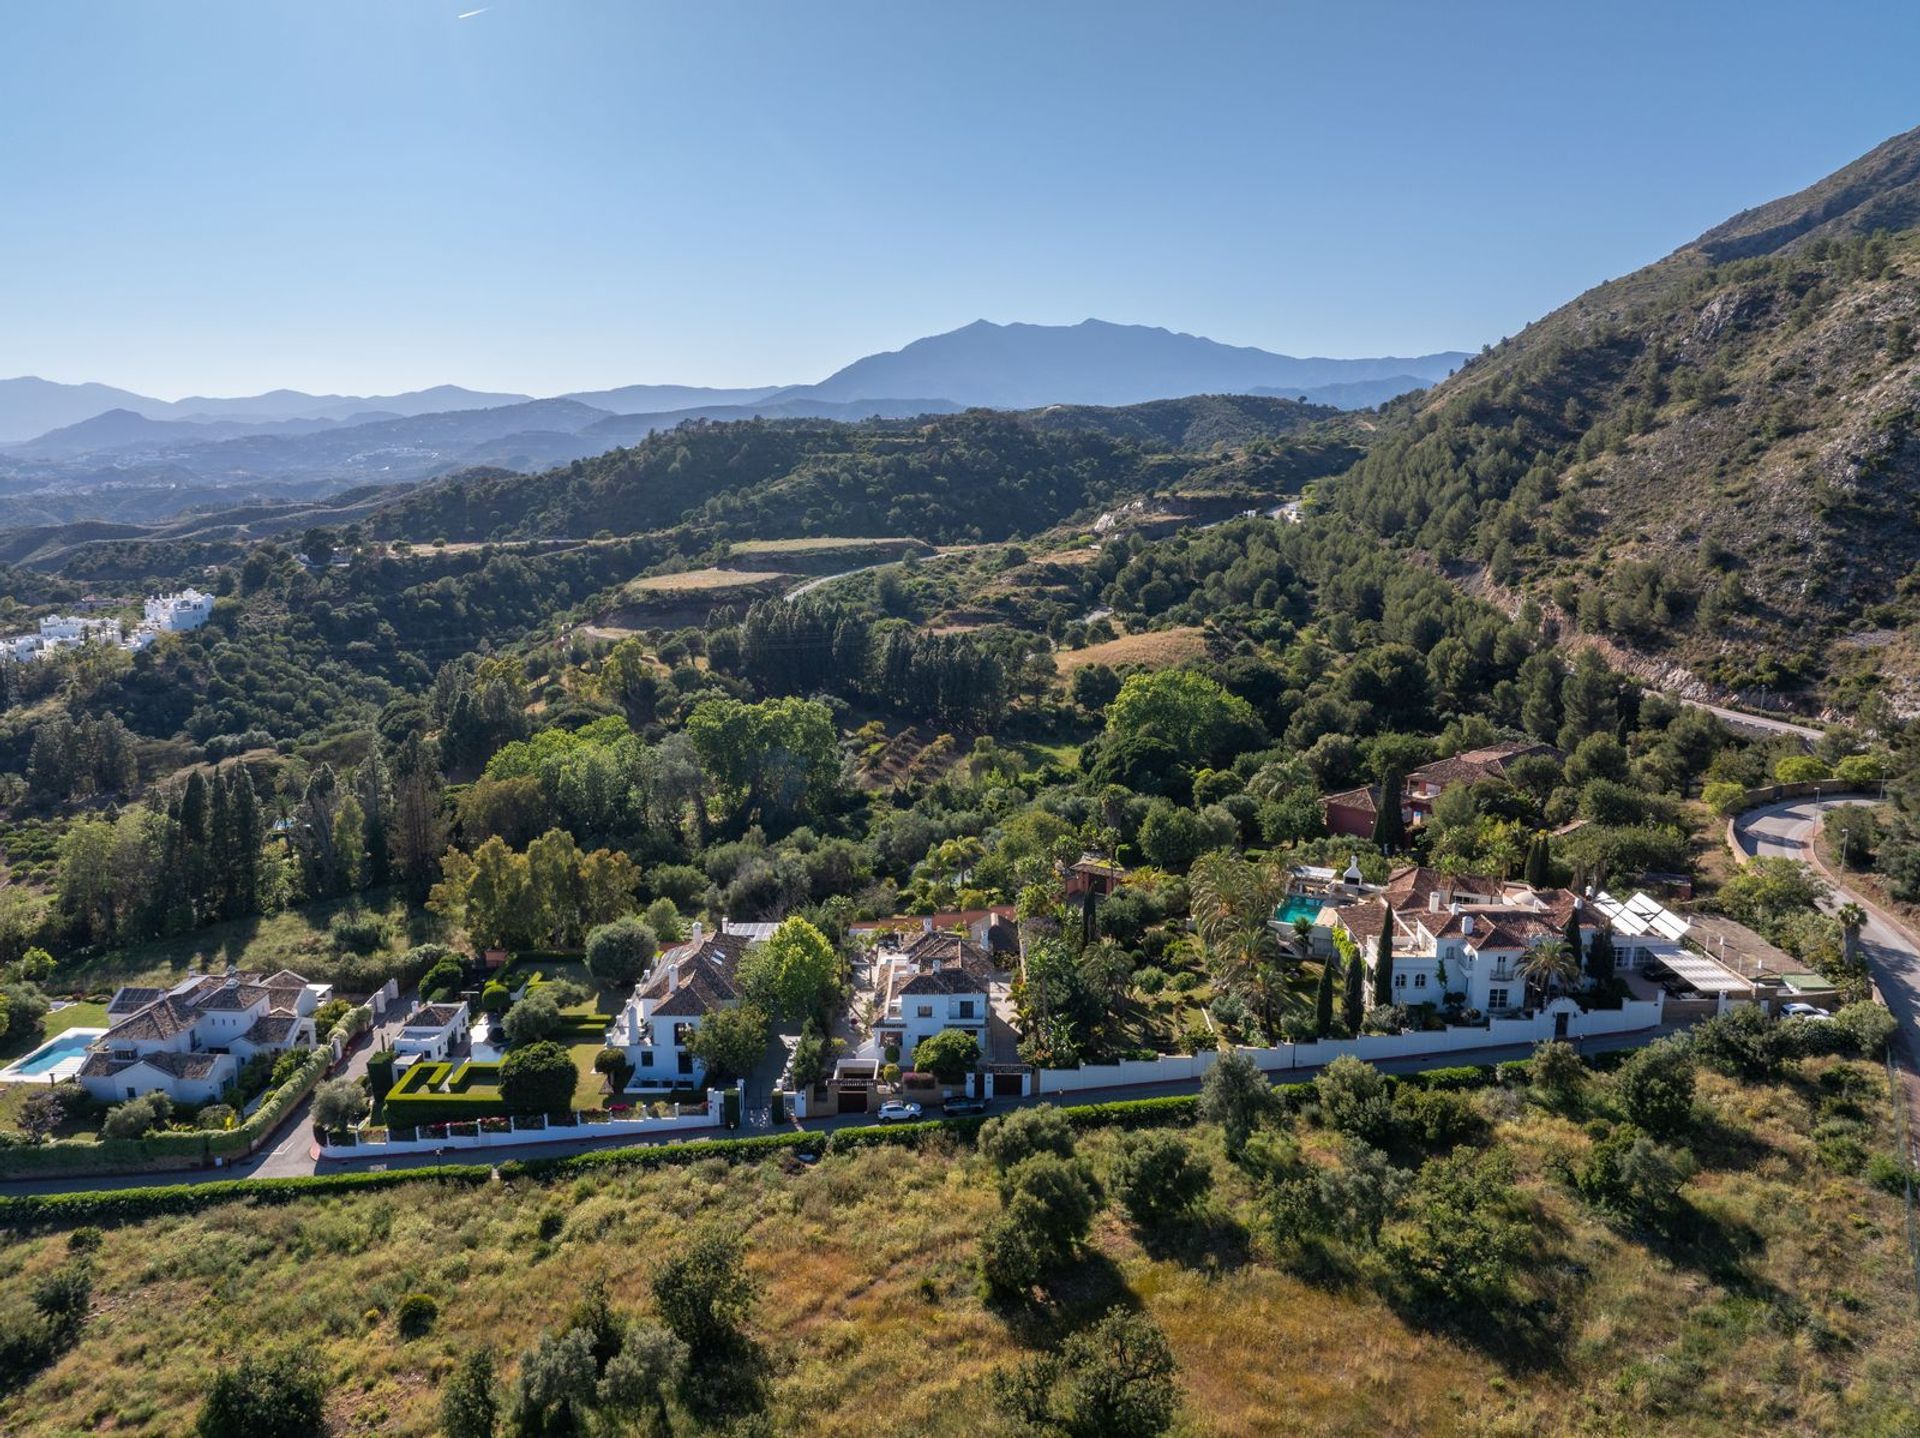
[[1803, 1011], [898, 1111]]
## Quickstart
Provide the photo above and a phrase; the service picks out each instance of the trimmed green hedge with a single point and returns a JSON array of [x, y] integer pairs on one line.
[[473, 1092], [163, 1151]]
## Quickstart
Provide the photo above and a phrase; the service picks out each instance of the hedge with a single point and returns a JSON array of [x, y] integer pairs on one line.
[[161, 1151], [127, 1205], [415, 1099]]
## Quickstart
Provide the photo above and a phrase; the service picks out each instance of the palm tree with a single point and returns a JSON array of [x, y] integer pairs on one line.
[[1851, 917], [1231, 902], [1551, 966], [1302, 938]]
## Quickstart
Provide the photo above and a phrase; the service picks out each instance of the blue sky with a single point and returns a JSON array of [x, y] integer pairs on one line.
[[222, 196]]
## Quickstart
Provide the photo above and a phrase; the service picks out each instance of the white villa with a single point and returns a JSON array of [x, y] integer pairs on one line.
[[667, 1007], [165, 614], [189, 1041], [938, 981], [1461, 935], [432, 1031]]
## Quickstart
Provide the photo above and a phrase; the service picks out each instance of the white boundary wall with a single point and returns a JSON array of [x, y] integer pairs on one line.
[[515, 1136], [1631, 1017]]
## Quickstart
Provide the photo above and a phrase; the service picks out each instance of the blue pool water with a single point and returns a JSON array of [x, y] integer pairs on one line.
[[1296, 908], [56, 1050]]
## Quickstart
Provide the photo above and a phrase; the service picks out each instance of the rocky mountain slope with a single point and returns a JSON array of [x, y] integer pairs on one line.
[[1714, 460]]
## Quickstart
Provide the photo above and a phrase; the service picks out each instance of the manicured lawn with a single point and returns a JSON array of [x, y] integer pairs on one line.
[[21, 1041]]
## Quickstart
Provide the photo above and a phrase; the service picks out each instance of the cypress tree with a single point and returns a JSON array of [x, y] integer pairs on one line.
[[1323, 1010], [1388, 830], [1539, 861], [1356, 1006], [1383, 962], [1572, 937], [1600, 957]]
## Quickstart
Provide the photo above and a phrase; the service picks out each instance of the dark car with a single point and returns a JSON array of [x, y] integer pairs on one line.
[[959, 1107]]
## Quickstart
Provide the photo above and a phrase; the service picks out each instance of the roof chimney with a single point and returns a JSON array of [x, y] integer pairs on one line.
[[673, 977], [1433, 901], [926, 923], [1466, 923], [695, 936]]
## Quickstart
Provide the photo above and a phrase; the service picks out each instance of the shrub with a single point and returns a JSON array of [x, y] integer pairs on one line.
[[535, 1017], [615, 1065], [495, 998], [1010, 1257], [538, 1078], [1884, 1171], [1065, 1199], [443, 980], [618, 953], [358, 932], [1017, 1136], [1556, 1072], [1155, 1179], [1113, 1380], [281, 1396], [1867, 1026], [1463, 1238], [1723, 798], [415, 1316], [948, 1055], [215, 1116], [468, 1407], [1438, 1118], [339, 1103], [704, 1295], [1354, 1099], [1629, 1174], [1656, 1087], [137, 1117], [1747, 1042]]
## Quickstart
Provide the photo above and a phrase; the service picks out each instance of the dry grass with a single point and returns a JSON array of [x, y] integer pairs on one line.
[[866, 1303], [699, 580], [1155, 649], [824, 544]]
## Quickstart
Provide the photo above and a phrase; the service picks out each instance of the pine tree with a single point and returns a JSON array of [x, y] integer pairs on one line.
[[1323, 1008], [1356, 1007], [1383, 962], [1389, 831]]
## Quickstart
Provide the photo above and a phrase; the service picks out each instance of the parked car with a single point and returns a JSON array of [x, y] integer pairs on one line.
[[1803, 1011], [898, 1111], [960, 1106]]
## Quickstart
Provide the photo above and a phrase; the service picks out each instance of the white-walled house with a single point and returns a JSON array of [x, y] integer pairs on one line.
[[432, 1031], [1461, 935], [686, 984], [189, 1041], [939, 981], [177, 613]]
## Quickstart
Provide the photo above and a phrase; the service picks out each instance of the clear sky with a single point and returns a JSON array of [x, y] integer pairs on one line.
[[223, 196]]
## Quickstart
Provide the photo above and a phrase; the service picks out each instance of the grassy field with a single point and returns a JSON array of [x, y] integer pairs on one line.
[[297, 939], [1155, 649], [1790, 1312], [698, 581]]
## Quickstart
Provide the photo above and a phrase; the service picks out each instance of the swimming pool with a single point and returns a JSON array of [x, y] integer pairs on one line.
[[1297, 907], [69, 1048]]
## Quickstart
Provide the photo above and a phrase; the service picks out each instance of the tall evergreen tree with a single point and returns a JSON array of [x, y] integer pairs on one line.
[[1389, 829], [1383, 961], [1539, 862], [1571, 937], [1323, 1006], [1356, 998], [373, 787], [413, 836], [249, 833], [1600, 958]]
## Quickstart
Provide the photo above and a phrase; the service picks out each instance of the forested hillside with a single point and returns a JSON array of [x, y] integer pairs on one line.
[[1715, 458]]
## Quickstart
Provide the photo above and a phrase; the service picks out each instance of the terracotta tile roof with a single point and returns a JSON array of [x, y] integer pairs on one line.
[[230, 997], [1487, 762], [701, 992], [1366, 798], [942, 950], [943, 981], [163, 1019], [433, 1016], [272, 1029]]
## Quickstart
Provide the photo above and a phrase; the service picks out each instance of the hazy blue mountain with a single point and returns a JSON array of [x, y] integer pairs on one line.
[[1022, 366], [630, 428], [31, 406], [658, 398], [123, 429]]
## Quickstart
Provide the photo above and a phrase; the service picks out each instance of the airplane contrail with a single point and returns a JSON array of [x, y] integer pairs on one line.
[[469, 14]]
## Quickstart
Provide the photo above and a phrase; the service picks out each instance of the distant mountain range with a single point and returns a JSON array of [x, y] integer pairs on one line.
[[84, 451]]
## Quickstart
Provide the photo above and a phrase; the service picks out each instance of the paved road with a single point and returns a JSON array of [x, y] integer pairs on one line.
[[812, 584], [1757, 723], [1892, 950], [293, 1157]]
